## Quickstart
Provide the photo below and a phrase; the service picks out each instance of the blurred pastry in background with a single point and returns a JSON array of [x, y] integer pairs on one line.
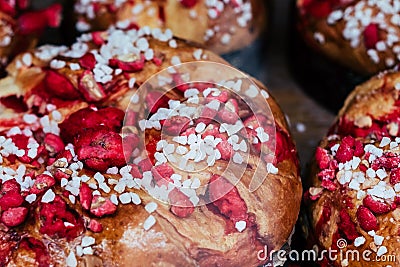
[[221, 26], [363, 36], [21, 26]]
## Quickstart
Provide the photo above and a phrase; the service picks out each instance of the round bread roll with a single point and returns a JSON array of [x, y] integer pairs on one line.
[[221, 26], [361, 35], [20, 27], [81, 186], [354, 192]]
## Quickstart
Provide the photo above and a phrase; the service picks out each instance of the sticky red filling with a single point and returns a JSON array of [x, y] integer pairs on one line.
[[325, 217], [102, 206], [286, 150], [347, 226], [8, 7], [41, 253], [59, 86], [128, 66], [226, 200], [14, 102], [376, 206], [53, 217], [95, 135], [366, 219], [161, 13], [181, 205], [89, 118], [8, 243], [40, 96], [188, 3], [322, 8], [371, 36]]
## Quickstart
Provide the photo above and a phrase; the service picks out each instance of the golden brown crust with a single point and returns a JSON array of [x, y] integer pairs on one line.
[[344, 33], [201, 239], [233, 28], [369, 116]]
